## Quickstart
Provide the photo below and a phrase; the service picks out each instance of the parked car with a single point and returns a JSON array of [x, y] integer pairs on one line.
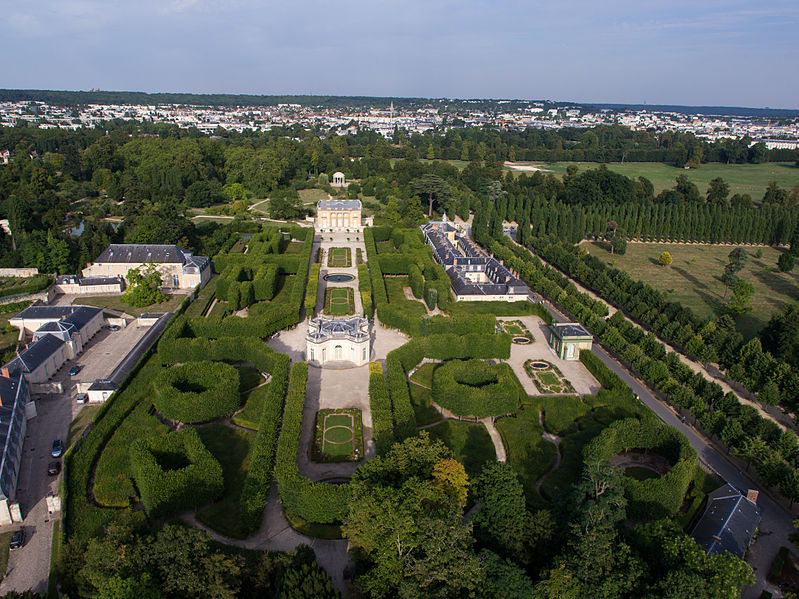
[[57, 449], [54, 468], [82, 398], [113, 327], [17, 540], [74, 370]]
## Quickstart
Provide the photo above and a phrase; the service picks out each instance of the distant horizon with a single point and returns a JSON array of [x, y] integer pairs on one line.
[[404, 97]]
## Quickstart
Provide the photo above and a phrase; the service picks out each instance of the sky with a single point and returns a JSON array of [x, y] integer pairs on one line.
[[689, 52]]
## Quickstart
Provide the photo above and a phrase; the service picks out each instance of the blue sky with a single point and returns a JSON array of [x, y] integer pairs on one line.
[[661, 52]]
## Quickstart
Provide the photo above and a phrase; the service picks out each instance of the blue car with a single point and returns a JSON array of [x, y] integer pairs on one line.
[[57, 449], [74, 370]]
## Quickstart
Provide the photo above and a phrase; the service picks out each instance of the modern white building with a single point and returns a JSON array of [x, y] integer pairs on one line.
[[178, 267], [338, 340]]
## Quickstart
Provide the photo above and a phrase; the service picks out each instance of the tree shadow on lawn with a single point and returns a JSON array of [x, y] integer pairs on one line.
[[689, 277]]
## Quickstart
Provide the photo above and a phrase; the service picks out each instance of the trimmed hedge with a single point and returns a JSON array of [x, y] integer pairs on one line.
[[380, 405], [404, 416], [301, 497], [312, 290], [165, 483], [218, 398], [365, 287], [32, 285], [476, 388], [655, 497], [259, 476]]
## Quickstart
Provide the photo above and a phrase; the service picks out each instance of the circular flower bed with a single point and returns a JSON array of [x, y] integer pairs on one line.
[[197, 392], [476, 388]]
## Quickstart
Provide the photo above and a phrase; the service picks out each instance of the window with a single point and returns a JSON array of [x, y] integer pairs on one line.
[[364, 353]]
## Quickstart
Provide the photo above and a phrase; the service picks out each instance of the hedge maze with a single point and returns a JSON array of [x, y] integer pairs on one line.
[[197, 392], [473, 388]]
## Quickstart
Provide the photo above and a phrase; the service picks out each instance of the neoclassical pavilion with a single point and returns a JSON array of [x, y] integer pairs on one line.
[[338, 340]]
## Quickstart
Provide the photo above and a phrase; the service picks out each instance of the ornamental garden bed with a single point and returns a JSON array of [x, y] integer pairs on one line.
[[547, 377], [476, 388], [339, 257], [339, 301], [517, 331], [338, 436]]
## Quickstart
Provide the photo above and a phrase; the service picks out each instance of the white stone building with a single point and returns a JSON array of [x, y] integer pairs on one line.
[[338, 340], [340, 216]]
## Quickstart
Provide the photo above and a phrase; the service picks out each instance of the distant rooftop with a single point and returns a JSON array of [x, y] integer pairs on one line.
[[338, 205], [321, 329], [570, 329], [133, 253]]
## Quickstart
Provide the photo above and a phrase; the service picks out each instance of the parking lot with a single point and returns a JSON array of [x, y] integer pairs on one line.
[[28, 567]]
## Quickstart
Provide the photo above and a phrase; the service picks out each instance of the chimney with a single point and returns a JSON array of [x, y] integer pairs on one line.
[[752, 495], [4, 372]]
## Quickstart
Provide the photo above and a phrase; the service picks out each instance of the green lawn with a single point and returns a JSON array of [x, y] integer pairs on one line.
[[339, 301], [519, 308], [694, 277], [338, 436], [640, 473], [5, 539], [83, 418], [396, 295], [113, 303], [420, 402], [250, 416], [470, 443], [312, 195], [424, 374], [249, 378], [233, 448], [294, 247], [742, 178]]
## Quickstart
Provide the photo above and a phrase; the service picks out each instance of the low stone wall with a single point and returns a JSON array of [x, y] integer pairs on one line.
[[18, 272]]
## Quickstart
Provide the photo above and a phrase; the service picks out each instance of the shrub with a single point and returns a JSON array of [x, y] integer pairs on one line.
[[175, 472], [197, 391], [365, 288], [380, 405], [476, 388]]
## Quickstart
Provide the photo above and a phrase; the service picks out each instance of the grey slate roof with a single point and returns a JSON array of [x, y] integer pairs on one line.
[[569, 329], [728, 523], [101, 385], [320, 329], [133, 253], [14, 395], [339, 205], [36, 354]]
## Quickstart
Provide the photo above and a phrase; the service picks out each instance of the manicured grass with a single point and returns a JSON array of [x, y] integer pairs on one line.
[[112, 302], [742, 178], [295, 247], [339, 257], [519, 308], [312, 195], [339, 301], [420, 402], [233, 448], [220, 309], [470, 443], [640, 473], [550, 380], [424, 374], [396, 295], [83, 418], [249, 378], [528, 453], [516, 328], [694, 277], [5, 539], [200, 304], [338, 435]]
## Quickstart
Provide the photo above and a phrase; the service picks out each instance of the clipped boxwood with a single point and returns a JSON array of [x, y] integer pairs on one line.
[[654, 497], [197, 392], [380, 405], [476, 388], [175, 472]]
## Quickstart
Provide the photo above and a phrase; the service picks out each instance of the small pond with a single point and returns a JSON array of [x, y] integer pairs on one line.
[[540, 365], [339, 278], [521, 340]]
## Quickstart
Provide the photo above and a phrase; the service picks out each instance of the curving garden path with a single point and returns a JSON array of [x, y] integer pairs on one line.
[[555, 440]]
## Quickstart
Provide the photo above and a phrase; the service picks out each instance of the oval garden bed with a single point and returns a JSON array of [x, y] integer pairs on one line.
[[197, 392]]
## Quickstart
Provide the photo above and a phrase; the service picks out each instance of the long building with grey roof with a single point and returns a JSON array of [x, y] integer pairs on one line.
[[13, 424], [178, 267], [729, 521], [474, 275]]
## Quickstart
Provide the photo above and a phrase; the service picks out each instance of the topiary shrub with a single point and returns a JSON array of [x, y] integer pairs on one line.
[[175, 472], [476, 388], [197, 392]]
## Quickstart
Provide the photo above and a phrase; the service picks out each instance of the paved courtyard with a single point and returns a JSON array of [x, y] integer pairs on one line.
[[574, 371]]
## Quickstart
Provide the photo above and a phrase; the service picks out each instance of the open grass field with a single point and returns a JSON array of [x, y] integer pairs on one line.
[[470, 442], [742, 178], [338, 436], [339, 301], [233, 448], [339, 257], [112, 302], [694, 277], [312, 195]]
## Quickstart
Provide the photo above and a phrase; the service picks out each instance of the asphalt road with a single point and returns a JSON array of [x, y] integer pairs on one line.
[[777, 522]]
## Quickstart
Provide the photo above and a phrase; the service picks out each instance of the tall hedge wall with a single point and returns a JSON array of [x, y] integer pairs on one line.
[[380, 406], [476, 388], [365, 288], [313, 288], [301, 497], [166, 490], [654, 497], [218, 398]]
